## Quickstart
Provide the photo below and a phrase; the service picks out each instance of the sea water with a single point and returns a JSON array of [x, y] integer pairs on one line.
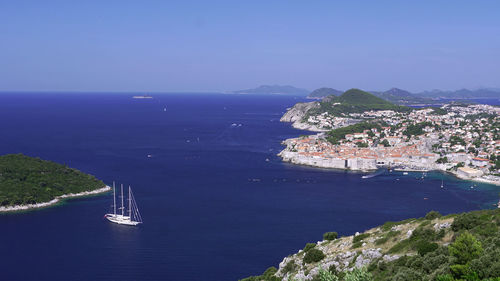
[[217, 202]]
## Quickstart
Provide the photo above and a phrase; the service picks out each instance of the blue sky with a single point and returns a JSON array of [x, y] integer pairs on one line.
[[166, 46]]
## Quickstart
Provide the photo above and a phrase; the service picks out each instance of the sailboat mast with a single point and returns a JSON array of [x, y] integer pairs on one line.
[[129, 203], [122, 199], [114, 199]]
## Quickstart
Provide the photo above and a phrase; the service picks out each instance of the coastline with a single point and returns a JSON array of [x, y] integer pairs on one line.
[[314, 163], [15, 208], [311, 163]]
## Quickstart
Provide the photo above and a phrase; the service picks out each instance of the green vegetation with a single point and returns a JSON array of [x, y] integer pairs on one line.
[[27, 180], [289, 267], [334, 136], [386, 237], [416, 129], [439, 111], [313, 255], [442, 160], [473, 255], [385, 143], [360, 237], [330, 236], [456, 140], [355, 101], [468, 249], [309, 246], [432, 215], [362, 144]]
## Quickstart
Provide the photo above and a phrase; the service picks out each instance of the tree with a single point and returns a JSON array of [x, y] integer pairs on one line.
[[362, 144], [386, 143], [465, 248], [442, 160], [330, 236]]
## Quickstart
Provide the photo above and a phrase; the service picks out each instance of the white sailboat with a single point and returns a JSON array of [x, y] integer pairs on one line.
[[133, 218]]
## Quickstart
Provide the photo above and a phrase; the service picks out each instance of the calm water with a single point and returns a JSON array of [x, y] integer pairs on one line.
[[213, 207]]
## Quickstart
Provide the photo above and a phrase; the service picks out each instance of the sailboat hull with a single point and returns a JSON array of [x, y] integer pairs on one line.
[[119, 219]]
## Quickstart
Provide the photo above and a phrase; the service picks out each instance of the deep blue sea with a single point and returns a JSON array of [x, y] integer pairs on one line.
[[213, 207]]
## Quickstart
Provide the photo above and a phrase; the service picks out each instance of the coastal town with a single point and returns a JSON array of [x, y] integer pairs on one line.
[[463, 139]]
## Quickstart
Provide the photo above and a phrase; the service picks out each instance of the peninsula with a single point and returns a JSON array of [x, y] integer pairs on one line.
[[28, 183], [359, 131]]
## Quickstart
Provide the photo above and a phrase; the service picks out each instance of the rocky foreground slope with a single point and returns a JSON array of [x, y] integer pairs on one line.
[[454, 247]]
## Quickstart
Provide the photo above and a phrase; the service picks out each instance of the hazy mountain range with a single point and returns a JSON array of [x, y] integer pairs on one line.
[[275, 89], [394, 95]]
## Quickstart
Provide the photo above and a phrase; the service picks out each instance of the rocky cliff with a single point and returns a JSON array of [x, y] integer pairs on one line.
[[296, 115]]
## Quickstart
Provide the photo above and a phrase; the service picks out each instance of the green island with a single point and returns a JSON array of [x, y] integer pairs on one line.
[[443, 248], [26, 180]]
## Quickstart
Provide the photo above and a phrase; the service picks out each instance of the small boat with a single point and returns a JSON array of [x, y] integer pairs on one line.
[[405, 173], [142, 97], [165, 109], [133, 218], [442, 184]]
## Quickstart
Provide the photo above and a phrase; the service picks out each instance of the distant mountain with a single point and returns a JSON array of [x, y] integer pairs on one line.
[[401, 97], [275, 89], [323, 92], [461, 94]]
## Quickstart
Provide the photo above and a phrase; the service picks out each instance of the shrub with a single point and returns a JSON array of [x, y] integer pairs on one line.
[[357, 245], [401, 245], [382, 240], [330, 236], [424, 247], [360, 237], [465, 222], [289, 267], [313, 255], [309, 246], [423, 233], [432, 215]]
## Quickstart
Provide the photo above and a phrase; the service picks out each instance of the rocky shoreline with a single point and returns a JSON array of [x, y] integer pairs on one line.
[[54, 201], [296, 114]]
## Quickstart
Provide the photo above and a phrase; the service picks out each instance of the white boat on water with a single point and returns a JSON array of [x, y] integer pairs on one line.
[[133, 218], [142, 97]]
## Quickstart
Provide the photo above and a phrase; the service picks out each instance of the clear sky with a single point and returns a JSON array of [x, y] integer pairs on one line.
[[165, 46]]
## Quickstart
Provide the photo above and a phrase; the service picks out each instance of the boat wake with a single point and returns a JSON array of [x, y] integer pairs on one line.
[[376, 173]]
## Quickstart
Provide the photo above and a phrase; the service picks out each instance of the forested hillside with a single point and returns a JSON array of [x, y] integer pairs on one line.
[[27, 180]]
